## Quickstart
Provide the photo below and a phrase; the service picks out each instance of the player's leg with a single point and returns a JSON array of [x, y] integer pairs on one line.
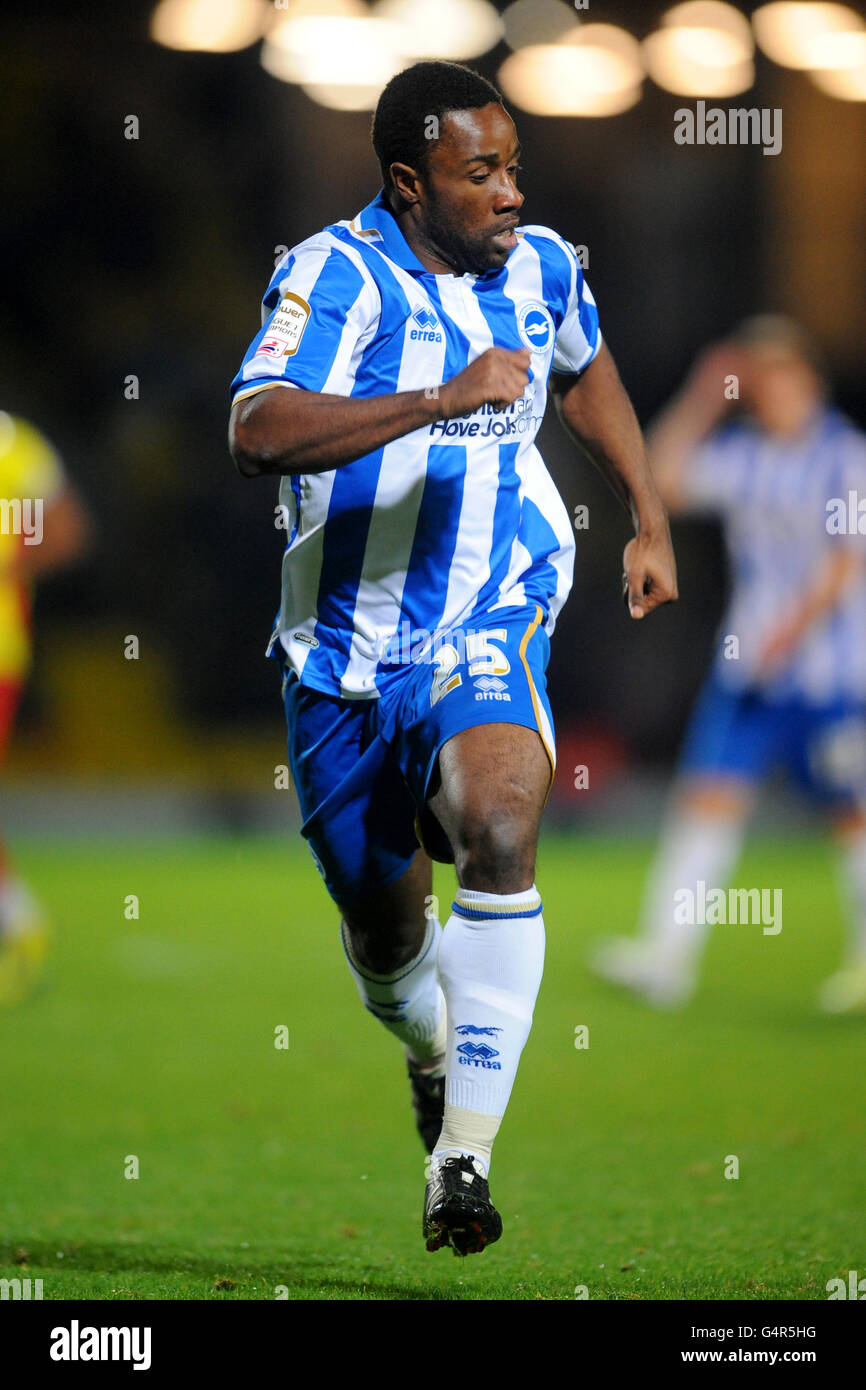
[[700, 841], [832, 768], [386, 927], [391, 941], [845, 991], [23, 929], [492, 785], [487, 795], [731, 742], [358, 819], [472, 732]]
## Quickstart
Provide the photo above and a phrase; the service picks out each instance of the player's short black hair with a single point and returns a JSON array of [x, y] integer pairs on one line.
[[401, 123]]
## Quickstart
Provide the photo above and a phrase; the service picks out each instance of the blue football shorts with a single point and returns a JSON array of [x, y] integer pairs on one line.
[[362, 768], [742, 734]]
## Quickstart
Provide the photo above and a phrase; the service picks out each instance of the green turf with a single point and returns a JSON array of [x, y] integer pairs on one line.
[[262, 1168]]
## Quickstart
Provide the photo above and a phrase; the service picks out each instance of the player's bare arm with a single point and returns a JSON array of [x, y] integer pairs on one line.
[[835, 578], [286, 431], [596, 411], [692, 414]]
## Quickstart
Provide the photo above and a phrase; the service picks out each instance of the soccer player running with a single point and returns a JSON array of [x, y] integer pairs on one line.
[[788, 684], [397, 385], [43, 527]]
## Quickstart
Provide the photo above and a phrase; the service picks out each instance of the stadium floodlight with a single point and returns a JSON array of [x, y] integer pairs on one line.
[[450, 29], [788, 32], [568, 79], [697, 61], [328, 50], [712, 14], [846, 84], [340, 96], [840, 64], [837, 49], [609, 38], [532, 22], [209, 26], [284, 14]]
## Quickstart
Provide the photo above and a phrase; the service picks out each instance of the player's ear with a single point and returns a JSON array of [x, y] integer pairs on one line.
[[406, 183]]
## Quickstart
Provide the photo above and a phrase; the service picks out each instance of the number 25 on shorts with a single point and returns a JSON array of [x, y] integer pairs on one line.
[[481, 656]]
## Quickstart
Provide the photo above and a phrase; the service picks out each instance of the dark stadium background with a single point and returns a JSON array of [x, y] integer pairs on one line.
[[186, 924], [149, 257]]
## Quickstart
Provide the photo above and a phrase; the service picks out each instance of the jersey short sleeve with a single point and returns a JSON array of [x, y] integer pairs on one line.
[[319, 312], [578, 337]]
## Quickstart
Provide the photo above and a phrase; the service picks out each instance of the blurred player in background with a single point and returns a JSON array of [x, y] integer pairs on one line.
[[42, 528], [788, 684], [397, 383]]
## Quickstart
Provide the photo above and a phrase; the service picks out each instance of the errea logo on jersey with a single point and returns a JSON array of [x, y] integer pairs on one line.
[[427, 324], [535, 326]]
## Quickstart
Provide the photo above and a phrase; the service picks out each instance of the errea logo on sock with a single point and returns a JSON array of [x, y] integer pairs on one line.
[[478, 1054]]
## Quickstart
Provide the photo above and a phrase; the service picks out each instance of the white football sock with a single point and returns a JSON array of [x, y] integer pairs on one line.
[[408, 1001], [852, 866], [490, 964], [694, 847]]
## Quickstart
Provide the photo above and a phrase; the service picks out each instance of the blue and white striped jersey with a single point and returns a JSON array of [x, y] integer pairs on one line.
[[777, 501], [455, 519]]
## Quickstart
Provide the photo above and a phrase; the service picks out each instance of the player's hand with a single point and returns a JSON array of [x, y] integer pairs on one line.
[[649, 570], [498, 377], [709, 385]]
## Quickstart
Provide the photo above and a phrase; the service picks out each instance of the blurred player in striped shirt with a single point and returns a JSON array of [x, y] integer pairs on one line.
[[788, 683], [42, 528]]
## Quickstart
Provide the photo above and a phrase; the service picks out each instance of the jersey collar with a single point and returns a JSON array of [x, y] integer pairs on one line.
[[378, 217]]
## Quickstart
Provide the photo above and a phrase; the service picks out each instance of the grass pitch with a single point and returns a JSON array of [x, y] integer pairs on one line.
[[265, 1171]]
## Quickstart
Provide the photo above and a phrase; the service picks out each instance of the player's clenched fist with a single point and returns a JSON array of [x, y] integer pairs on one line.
[[649, 570], [498, 378]]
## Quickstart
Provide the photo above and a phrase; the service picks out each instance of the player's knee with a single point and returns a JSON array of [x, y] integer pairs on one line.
[[495, 852], [384, 946]]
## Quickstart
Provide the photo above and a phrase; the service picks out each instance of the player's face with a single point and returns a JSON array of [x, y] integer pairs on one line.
[[468, 200], [780, 390]]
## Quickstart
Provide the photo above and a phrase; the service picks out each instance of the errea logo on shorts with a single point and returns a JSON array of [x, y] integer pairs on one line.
[[491, 688], [535, 326]]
